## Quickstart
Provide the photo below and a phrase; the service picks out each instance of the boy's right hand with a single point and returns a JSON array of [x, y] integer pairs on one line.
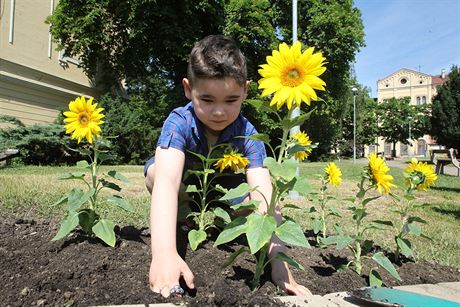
[[165, 272]]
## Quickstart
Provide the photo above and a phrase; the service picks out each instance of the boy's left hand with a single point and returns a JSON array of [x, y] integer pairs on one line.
[[282, 277]]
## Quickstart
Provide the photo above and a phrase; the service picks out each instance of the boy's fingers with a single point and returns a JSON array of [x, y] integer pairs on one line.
[[188, 277]]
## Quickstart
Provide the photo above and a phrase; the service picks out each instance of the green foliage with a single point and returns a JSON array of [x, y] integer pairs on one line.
[[136, 124], [260, 226], [40, 144], [97, 33], [82, 206], [206, 218], [396, 115], [445, 115]]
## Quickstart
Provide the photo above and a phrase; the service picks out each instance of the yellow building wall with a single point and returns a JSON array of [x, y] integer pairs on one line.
[[405, 83], [35, 81]]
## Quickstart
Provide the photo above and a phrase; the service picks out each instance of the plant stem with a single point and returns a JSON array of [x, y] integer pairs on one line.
[[259, 267], [283, 140]]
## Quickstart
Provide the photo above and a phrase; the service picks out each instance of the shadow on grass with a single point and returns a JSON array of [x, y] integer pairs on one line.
[[446, 189], [455, 212]]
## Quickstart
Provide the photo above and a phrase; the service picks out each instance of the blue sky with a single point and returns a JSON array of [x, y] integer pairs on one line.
[[407, 34]]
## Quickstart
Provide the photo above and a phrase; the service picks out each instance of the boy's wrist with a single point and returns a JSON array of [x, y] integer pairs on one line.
[[276, 246]]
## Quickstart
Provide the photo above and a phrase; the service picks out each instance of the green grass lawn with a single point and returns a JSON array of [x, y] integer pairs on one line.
[[29, 191]]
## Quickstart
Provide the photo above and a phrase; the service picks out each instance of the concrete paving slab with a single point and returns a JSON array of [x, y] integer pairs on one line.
[[437, 290], [448, 291], [310, 301]]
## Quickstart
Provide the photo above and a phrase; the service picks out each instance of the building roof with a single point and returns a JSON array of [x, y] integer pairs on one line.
[[405, 69], [438, 79]]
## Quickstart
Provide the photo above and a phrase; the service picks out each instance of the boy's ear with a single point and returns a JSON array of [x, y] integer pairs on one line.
[[187, 88], [246, 87]]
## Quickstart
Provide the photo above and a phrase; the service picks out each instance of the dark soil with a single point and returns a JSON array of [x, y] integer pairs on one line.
[[82, 271]]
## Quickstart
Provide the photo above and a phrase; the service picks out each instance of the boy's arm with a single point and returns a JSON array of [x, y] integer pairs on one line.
[[167, 266], [281, 275]]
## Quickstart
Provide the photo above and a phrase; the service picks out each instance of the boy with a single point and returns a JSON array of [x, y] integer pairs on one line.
[[216, 85]]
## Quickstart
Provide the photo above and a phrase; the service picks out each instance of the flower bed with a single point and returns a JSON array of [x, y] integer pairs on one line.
[[79, 271]]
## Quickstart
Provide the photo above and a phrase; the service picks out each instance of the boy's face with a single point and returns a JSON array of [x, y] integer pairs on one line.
[[216, 102]]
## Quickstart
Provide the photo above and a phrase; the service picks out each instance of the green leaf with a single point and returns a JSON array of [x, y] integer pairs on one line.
[[76, 198], [105, 156], [60, 201], [235, 254], [259, 230], [302, 186], [287, 170], [74, 175], [233, 230], [222, 214], [375, 280], [83, 164], [409, 197], [258, 137], [290, 206], [191, 188], [317, 226], [341, 241], [252, 205], [87, 219], [405, 247], [201, 157], [103, 229], [116, 175], [291, 233], [110, 185], [120, 202], [195, 237], [386, 264], [67, 225], [283, 257], [367, 200], [412, 219], [239, 191], [335, 212], [415, 229]]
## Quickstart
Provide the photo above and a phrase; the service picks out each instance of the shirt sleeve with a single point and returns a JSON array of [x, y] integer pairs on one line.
[[254, 150], [174, 132]]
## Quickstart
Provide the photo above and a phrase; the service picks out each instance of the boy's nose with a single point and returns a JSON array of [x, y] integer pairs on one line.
[[218, 112]]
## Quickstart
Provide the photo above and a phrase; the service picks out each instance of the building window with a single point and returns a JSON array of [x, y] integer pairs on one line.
[[421, 81], [403, 81], [418, 100], [423, 99], [387, 85]]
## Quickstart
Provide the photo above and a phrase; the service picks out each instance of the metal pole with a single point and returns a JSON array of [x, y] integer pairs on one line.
[[354, 123], [296, 112]]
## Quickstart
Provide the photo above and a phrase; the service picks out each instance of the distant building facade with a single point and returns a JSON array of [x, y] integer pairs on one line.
[[421, 88], [35, 80]]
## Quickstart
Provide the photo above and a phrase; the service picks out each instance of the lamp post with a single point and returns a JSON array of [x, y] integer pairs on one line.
[[410, 137], [354, 90]]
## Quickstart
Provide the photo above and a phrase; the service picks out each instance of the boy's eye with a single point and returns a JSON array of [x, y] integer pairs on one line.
[[231, 101], [207, 100]]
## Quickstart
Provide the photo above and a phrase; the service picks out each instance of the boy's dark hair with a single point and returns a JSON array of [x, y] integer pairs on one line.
[[217, 57]]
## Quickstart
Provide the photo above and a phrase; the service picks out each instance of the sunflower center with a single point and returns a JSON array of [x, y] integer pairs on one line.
[[292, 77], [83, 118]]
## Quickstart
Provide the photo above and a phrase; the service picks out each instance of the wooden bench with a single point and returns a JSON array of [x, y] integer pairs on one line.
[[454, 160], [8, 154], [440, 158]]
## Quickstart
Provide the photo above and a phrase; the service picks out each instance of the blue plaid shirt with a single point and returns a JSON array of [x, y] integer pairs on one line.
[[184, 131]]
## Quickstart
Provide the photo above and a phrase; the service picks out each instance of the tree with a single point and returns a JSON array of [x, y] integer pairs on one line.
[[395, 115], [366, 122], [445, 115], [140, 40]]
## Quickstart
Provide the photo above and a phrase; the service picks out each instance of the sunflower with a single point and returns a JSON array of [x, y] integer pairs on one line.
[[292, 75], [83, 119], [378, 172], [233, 160], [302, 139], [422, 173], [334, 174]]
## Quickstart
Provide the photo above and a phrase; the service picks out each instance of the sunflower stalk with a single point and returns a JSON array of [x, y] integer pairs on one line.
[[83, 123], [419, 176]]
